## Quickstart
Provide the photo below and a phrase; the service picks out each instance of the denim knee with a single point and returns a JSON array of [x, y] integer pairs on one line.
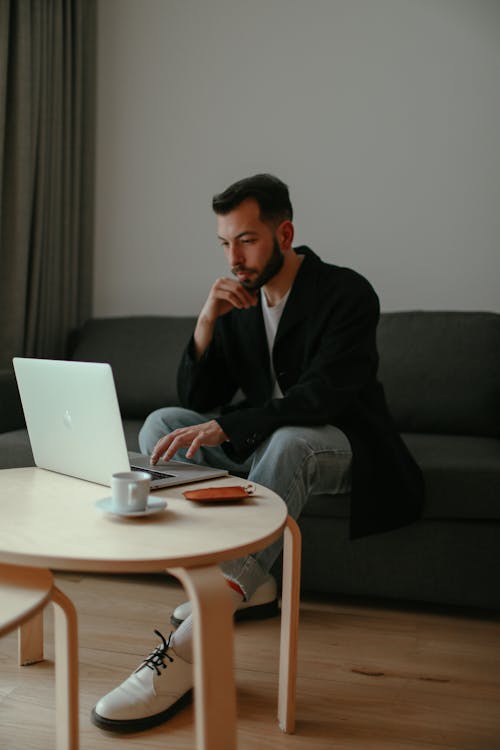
[[316, 459], [284, 444], [309, 439]]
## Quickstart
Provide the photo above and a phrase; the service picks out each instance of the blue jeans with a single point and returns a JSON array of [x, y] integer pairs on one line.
[[294, 462]]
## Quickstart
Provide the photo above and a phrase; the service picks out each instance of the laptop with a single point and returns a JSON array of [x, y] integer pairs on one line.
[[75, 427]]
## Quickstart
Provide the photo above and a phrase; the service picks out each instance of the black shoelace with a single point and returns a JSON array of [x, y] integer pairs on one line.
[[156, 659]]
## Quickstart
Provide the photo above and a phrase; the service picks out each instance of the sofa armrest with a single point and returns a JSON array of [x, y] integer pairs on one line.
[[11, 411]]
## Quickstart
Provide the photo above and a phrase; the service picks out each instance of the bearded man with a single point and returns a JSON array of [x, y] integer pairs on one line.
[[296, 338]]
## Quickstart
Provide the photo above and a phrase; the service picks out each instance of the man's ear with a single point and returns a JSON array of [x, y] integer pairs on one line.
[[285, 234]]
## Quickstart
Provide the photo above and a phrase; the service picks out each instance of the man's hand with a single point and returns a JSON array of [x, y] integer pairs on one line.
[[223, 296], [207, 433]]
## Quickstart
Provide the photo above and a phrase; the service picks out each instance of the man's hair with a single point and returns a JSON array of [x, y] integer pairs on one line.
[[270, 193]]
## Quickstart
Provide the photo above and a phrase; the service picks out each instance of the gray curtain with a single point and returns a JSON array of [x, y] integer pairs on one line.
[[47, 138]]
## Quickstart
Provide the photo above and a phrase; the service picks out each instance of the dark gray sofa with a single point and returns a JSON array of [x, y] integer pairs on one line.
[[441, 373]]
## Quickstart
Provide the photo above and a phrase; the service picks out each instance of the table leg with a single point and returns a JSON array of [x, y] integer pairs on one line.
[[30, 641], [290, 600], [66, 663], [215, 693]]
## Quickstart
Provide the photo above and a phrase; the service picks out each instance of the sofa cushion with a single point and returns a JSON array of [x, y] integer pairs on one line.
[[441, 371], [462, 475], [131, 429], [144, 353], [462, 479], [445, 563], [15, 449], [11, 411]]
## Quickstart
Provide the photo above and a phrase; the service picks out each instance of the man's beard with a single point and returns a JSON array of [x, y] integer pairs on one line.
[[272, 267]]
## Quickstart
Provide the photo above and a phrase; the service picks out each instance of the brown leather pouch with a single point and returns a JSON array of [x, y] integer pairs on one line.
[[219, 494]]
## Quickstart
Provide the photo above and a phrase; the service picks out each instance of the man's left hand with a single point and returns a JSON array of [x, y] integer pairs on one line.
[[193, 437]]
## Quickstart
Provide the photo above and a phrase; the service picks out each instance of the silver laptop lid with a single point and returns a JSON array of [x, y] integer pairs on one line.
[[75, 427], [73, 418]]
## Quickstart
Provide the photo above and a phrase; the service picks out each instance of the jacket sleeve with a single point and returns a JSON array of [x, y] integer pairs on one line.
[[342, 363], [206, 384]]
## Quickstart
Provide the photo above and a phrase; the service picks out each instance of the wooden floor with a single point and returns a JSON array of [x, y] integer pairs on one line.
[[370, 677]]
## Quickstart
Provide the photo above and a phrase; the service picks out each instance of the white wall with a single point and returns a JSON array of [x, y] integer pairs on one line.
[[383, 116]]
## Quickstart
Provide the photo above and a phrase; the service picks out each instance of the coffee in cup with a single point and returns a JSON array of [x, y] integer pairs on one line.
[[130, 491]]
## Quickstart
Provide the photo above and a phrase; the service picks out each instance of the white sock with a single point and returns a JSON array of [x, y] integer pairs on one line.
[[182, 639]]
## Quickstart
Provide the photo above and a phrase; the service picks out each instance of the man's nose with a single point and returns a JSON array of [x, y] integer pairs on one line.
[[234, 255]]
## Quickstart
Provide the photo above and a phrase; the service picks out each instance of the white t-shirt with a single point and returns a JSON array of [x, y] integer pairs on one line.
[[272, 316]]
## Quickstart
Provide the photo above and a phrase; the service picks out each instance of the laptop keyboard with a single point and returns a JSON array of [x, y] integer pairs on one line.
[[153, 474]]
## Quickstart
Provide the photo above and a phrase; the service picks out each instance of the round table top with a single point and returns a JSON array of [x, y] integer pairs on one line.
[[50, 520]]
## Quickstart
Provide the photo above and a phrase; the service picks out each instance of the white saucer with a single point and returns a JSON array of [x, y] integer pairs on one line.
[[155, 505]]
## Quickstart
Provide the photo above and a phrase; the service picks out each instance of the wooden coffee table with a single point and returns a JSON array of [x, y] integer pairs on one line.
[[50, 521]]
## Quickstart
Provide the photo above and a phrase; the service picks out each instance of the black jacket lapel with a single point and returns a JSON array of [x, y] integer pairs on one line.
[[298, 305]]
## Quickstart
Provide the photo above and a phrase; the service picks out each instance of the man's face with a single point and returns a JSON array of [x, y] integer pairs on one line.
[[251, 246]]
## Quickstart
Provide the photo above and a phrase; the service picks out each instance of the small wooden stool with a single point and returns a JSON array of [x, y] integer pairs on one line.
[[24, 592]]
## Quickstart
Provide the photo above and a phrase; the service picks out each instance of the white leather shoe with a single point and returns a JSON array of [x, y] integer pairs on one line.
[[264, 603], [158, 688]]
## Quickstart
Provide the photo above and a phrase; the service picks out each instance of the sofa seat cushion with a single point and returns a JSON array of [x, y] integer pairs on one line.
[[15, 450], [131, 429], [462, 475], [462, 478]]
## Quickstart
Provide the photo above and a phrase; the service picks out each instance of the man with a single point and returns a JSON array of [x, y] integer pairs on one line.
[[297, 337]]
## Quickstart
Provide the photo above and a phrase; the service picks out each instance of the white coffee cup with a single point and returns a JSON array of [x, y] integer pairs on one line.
[[130, 491]]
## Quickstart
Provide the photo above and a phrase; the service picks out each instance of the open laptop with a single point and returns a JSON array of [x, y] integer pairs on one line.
[[75, 427]]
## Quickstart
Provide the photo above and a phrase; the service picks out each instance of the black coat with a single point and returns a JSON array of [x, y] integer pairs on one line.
[[325, 359]]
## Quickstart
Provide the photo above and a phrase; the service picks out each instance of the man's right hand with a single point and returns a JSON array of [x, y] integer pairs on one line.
[[223, 296]]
